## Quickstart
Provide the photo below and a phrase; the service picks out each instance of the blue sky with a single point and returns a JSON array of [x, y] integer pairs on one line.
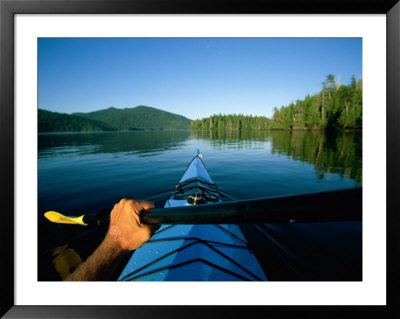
[[194, 77]]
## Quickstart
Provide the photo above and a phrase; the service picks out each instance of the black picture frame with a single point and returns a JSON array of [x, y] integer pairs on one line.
[[8, 8]]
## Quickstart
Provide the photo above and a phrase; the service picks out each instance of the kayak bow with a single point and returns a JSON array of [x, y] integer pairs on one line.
[[194, 252]]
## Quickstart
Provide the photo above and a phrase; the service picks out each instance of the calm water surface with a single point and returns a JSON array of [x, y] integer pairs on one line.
[[85, 172]]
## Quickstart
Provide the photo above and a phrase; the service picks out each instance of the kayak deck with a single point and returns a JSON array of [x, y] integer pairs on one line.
[[194, 252]]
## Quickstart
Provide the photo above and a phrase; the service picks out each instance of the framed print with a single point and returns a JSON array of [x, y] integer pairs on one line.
[[29, 27]]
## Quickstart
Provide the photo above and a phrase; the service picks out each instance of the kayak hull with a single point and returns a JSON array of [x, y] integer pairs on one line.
[[194, 252]]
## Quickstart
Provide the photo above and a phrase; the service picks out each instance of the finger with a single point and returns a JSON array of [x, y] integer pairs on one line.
[[116, 208], [147, 231], [143, 205], [131, 208], [118, 205]]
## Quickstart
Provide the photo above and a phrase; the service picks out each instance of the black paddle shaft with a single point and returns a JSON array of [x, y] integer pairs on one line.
[[341, 205]]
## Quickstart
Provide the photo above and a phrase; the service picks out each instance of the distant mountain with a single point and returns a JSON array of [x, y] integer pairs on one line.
[[140, 117], [60, 122]]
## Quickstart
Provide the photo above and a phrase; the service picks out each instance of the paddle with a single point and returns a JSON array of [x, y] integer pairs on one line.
[[98, 219], [341, 205]]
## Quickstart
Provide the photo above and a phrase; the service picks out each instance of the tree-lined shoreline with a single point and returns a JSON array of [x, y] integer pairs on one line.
[[336, 106]]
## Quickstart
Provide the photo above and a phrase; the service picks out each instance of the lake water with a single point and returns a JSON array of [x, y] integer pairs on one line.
[[84, 172]]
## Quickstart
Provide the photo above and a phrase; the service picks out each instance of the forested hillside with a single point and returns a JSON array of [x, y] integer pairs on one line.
[[59, 122], [140, 117], [336, 106]]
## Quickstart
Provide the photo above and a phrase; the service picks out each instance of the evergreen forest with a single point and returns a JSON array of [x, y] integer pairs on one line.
[[111, 119], [138, 118], [336, 106], [61, 122]]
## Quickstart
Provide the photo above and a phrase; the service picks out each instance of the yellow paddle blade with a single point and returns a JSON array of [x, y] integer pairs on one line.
[[61, 219]]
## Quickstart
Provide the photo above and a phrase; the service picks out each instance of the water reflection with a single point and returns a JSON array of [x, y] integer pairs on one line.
[[138, 142], [233, 139], [75, 173], [329, 152]]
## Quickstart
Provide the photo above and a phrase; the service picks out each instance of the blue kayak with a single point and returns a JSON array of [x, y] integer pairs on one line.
[[194, 252]]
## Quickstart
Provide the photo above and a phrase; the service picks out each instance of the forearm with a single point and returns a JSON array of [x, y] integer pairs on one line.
[[125, 233], [99, 264]]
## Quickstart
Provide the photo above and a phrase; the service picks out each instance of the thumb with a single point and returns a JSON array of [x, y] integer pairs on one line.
[[144, 205]]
